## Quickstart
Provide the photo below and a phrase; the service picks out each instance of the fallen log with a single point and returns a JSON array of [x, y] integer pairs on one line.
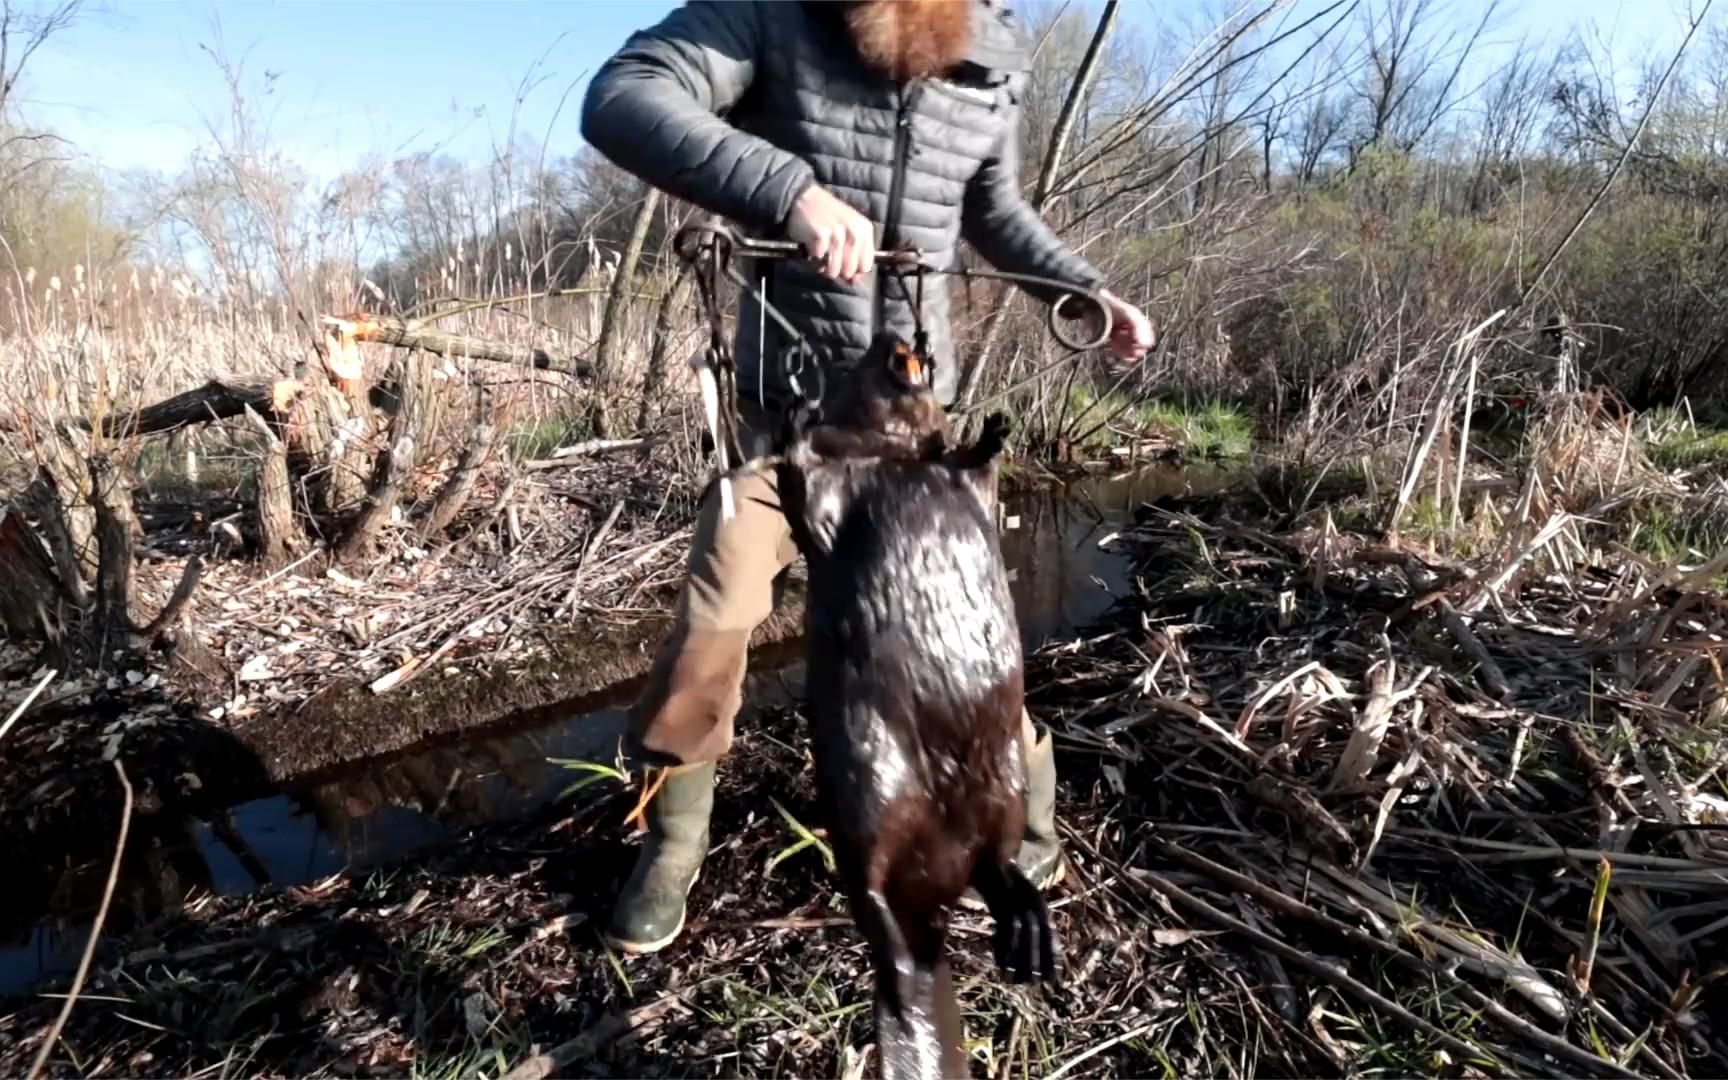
[[572, 455], [410, 334], [220, 398]]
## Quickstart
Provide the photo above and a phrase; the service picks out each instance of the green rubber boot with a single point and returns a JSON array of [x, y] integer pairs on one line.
[[649, 912], [1040, 857]]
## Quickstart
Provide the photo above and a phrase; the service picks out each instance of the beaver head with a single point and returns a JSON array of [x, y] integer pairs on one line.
[[822, 475], [889, 402]]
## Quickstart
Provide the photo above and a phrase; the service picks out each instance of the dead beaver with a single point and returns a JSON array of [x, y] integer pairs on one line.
[[916, 685]]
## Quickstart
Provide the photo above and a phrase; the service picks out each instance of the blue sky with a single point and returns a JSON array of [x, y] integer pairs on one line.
[[132, 87]]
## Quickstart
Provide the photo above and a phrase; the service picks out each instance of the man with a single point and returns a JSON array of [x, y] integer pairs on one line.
[[848, 126]]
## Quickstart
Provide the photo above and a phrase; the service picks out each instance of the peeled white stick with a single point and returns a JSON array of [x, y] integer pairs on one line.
[[47, 677]]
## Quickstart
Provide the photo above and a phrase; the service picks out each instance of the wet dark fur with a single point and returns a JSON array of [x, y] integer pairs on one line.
[[915, 677], [886, 407]]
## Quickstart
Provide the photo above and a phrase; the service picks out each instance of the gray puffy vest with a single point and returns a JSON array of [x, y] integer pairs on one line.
[[736, 106]]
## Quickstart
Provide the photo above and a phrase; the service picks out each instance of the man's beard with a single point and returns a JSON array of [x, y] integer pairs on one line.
[[911, 39]]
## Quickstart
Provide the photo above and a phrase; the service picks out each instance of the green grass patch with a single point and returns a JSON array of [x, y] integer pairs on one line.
[[1690, 450], [1673, 439], [538, 438], [1209, 429], [1429, 520], [1667, 532]]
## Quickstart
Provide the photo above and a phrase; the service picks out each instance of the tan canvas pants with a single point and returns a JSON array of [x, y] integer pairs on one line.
[[693, 690]]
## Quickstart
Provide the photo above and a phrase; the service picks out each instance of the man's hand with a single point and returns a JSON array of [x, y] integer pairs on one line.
[[832, 231], [1131, 335]]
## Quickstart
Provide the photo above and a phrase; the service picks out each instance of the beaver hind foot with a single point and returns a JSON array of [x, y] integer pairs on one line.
[[1025, 945]]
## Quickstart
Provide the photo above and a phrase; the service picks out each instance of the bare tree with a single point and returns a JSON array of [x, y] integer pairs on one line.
[[21, 35], [1512, 111], [1408, 87]]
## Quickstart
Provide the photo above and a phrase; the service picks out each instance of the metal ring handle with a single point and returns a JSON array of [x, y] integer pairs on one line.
[[1056, 319], [692, 239]]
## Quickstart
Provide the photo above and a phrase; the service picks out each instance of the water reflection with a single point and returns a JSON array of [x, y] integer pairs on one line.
[[385, 809]]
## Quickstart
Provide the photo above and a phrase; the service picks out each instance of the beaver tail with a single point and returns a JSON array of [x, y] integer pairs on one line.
[[922, 1042], [918, 1035]]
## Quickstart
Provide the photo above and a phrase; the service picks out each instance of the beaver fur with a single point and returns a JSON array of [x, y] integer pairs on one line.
[[916, 686], [886, 407]]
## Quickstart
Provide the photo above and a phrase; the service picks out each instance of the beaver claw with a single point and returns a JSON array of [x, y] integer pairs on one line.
[[993, 437], [1025, 945], [992, 440]]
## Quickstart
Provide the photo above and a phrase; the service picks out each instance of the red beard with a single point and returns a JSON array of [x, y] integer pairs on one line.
[[910, 39]]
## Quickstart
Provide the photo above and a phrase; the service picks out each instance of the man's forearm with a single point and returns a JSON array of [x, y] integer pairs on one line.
[[1013, 237], [1007, 231]]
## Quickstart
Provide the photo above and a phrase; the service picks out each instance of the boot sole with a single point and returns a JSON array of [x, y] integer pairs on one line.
[[643, 948], [971, 901]]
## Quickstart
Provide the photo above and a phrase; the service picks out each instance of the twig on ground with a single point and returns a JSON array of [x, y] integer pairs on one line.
[[1093, 1051], [608, 1029], [565, 456], [1289, 905], [1339, 978], [1493, 678]]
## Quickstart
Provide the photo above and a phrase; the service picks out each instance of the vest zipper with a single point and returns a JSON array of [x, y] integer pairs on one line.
[[908, 101]]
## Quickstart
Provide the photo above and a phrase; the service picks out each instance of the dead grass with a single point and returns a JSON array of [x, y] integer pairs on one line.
[[93, 346]]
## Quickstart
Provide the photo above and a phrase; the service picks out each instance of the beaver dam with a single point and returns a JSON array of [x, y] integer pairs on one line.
[[1333, 805]]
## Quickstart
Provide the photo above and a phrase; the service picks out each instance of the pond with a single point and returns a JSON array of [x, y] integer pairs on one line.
[[378, 811]]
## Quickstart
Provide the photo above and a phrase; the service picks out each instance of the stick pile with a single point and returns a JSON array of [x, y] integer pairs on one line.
[[1506, 785]]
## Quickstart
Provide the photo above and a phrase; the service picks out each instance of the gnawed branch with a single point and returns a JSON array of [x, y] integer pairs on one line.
[[394, 464], [454, 495]]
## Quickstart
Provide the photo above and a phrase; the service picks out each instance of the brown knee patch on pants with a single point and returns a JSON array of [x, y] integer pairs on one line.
[[686, 710]]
